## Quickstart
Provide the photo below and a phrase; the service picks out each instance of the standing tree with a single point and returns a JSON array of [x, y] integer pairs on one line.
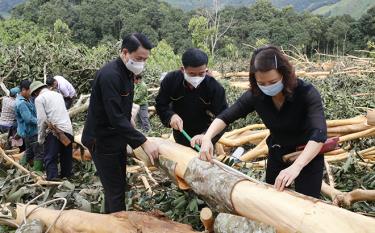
[[209, 28]]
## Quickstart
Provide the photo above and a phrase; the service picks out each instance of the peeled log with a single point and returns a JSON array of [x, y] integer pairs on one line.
[[227, 223], [351, 121], [230, 193], [121, 222], [243, 140], [345, 129]]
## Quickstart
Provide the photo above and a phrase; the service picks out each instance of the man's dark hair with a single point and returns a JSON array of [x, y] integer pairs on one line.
[[133, 41], [50, 80], [25, 84], [194, 58]]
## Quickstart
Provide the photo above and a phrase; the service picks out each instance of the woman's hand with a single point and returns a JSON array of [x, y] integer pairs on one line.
[[287, 176], [197, 139], [207, 149]]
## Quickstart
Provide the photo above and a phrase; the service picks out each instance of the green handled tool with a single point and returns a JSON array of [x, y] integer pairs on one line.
[[220, 164], [196, 146]]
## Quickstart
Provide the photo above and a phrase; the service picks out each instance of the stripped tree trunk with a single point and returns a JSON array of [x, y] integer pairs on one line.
[[121, 222], [226, 192]]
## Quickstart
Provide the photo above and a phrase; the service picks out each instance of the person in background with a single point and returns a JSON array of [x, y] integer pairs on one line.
[[54, 126], [8, 114], [292, 110], [64, 87], [189, 99], [108, 130], [27, 127], [141, 98]]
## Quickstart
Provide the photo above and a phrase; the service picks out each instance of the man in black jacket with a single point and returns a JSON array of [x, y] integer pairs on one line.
[[108, 130], [190, 98]]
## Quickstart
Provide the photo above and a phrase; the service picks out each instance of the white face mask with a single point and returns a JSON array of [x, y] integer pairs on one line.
[[273, 89], [194, 81], [134, 66]]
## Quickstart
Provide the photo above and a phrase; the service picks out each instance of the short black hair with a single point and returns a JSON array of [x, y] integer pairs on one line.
[[25, 84], [50, 80], [194, 58], [133, 41]]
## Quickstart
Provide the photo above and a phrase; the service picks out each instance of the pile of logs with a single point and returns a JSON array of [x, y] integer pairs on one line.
[[346, 130], [330, 65]]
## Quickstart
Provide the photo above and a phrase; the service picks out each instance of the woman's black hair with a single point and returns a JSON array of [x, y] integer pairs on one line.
[[267, 58]]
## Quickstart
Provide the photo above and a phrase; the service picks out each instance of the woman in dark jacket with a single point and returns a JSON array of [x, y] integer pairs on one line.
[[293, 112]]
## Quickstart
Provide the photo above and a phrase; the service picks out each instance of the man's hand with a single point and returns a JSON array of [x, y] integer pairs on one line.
[[197, 139], [151, 150], [207, 149], [176, 123], [287, 176]]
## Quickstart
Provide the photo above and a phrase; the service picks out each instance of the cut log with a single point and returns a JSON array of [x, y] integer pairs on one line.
[[207, 219], [227, 192], [351, 121], [366, 133], [371, 117], [243, 140], [246, 128], [121, 222], [345, 129], [227, 223]]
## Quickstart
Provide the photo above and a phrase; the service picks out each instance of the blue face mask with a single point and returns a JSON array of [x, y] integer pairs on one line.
[[273, 89]]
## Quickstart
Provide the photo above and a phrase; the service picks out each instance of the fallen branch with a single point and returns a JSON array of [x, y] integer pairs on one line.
[[146, 184], [39, 180], [142, 164], [347, 199]]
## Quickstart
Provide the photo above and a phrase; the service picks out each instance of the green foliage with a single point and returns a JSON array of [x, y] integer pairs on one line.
[[162, 60], [35, 49], [115, 19], [200, 32], [158, 20]]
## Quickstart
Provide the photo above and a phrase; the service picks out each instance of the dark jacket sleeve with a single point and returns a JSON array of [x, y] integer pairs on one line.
[[316, 122], [163, 101], [116, 111], [243, 106], [219, 104]]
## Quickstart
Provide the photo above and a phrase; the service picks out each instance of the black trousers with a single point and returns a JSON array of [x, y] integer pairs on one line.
[[34, 151], [68, 102], [52, 149], [111, 166], [308, 182]]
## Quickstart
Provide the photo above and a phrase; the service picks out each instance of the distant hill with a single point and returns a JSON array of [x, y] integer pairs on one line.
[[353, 8], [299, 5], [323, 7], [7, 5]]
